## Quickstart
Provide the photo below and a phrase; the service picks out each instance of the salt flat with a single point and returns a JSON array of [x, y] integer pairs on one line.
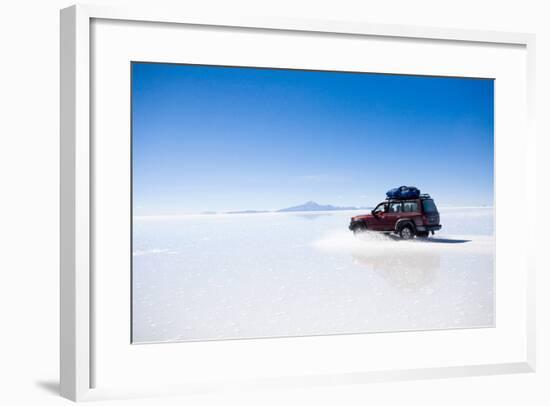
[[204, 277]]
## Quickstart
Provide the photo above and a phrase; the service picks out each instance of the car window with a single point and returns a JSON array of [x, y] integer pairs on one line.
[[429, 206], [410, 207], [395, 207], [381, 208]]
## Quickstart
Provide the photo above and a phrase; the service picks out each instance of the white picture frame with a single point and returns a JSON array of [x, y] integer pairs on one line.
[[77, 187]]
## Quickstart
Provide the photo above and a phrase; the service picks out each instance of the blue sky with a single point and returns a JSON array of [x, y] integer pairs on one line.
[[219, 138]]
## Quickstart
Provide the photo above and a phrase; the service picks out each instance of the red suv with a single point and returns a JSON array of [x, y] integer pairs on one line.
[[406, 217]]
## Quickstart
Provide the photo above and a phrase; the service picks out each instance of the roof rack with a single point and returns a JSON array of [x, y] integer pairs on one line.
[[421, 196]]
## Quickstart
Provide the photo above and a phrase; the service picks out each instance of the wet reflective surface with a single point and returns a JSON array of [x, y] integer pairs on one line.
[[288, 274]]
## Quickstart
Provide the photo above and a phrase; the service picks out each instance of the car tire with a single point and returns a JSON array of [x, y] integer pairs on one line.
[[359, 228], [406, 232]]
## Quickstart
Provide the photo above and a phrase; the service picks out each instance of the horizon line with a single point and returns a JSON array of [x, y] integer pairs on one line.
[[259, 212]]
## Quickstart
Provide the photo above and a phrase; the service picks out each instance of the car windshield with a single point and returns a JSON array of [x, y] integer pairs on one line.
[[429, 206]]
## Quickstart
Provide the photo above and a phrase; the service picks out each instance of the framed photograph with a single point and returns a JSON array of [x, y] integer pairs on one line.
[[271, 202]]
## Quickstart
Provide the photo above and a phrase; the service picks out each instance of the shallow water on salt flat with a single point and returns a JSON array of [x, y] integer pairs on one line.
[[289, 274]]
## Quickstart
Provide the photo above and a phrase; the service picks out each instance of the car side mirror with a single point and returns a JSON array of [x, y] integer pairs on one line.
[[374, 213]]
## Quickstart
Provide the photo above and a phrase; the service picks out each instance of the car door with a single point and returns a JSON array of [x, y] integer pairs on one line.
[[376, 223], [395, 212]]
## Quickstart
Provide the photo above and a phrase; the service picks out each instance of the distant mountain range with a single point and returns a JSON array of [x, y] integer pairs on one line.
[[307, 206], [246, 211], [313, 206]]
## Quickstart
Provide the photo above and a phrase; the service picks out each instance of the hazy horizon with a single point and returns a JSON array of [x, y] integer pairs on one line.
[[278, 210], [229, 139]]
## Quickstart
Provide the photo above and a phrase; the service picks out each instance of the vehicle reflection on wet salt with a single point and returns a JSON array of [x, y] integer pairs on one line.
[[406, 272]]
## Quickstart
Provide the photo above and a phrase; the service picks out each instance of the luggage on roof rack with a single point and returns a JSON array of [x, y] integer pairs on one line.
[[403, 192]]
